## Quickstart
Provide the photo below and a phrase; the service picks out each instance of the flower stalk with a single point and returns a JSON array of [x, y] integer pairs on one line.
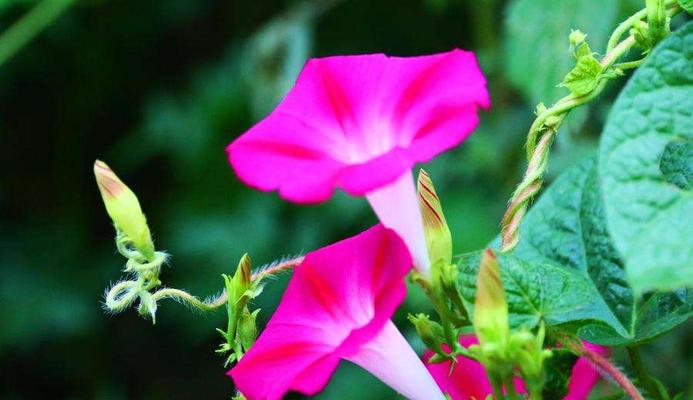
[[612, 372]]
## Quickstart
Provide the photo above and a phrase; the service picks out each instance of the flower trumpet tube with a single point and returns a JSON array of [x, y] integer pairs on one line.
[[360, 123], [338, 306]]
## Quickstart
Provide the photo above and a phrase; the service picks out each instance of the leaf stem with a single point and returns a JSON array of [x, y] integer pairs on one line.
[[30, 25]]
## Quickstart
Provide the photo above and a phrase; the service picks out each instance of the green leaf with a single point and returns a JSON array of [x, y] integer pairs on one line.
[[584, 77], [566, 227], [677, 163], [647, 210], [536, 291], [687, 5], [537, 51]]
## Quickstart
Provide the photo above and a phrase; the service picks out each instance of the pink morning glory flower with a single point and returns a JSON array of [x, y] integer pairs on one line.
[[468, 379], [337, 307], [360, 123]]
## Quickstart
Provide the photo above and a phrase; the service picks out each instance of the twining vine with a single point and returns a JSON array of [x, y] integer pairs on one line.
[[646, 28]]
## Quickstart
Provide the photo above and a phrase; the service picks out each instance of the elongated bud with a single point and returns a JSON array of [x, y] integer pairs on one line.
[[438, 239], [490, 307], [241, 279], [123, 208]]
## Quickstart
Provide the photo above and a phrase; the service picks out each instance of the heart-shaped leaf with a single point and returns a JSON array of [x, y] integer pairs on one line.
[[644, 164]]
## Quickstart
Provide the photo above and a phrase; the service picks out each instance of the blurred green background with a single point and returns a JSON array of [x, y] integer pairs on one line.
[[157, 89]]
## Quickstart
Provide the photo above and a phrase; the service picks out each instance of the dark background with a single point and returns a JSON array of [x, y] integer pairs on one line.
[[157, 89]]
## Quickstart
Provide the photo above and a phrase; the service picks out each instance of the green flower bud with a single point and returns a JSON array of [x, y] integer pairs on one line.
[[490, 308], [123, 208], [243, 273], [576, 37], [247, 328], [431, 332], [528, 352], [239, 285]]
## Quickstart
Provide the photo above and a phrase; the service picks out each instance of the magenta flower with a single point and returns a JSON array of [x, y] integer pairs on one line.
[[360, 123], [338, 306], [468, 379]]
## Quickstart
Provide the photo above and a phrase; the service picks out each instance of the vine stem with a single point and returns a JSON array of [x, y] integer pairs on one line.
[[276, 268], [30, 25], [545, 126], [220, 300], [603, 364]]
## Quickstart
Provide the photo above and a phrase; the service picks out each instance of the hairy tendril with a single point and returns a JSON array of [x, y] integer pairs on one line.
[[545, 126], [145, 278]]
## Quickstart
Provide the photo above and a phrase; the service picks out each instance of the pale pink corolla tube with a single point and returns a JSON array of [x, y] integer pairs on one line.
[[338, 306], [468, 380], [360, 123]]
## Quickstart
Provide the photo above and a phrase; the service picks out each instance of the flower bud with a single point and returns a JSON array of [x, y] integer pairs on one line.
[[247, 328], [527, 350], [243, 273], [576, 37], [238, 286], [430, 332], [490, 307], [438, 238], [123, 208]]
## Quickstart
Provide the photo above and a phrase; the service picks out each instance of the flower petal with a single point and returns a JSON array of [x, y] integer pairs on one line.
[[347, 114], [339, 298], [274, 365]]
